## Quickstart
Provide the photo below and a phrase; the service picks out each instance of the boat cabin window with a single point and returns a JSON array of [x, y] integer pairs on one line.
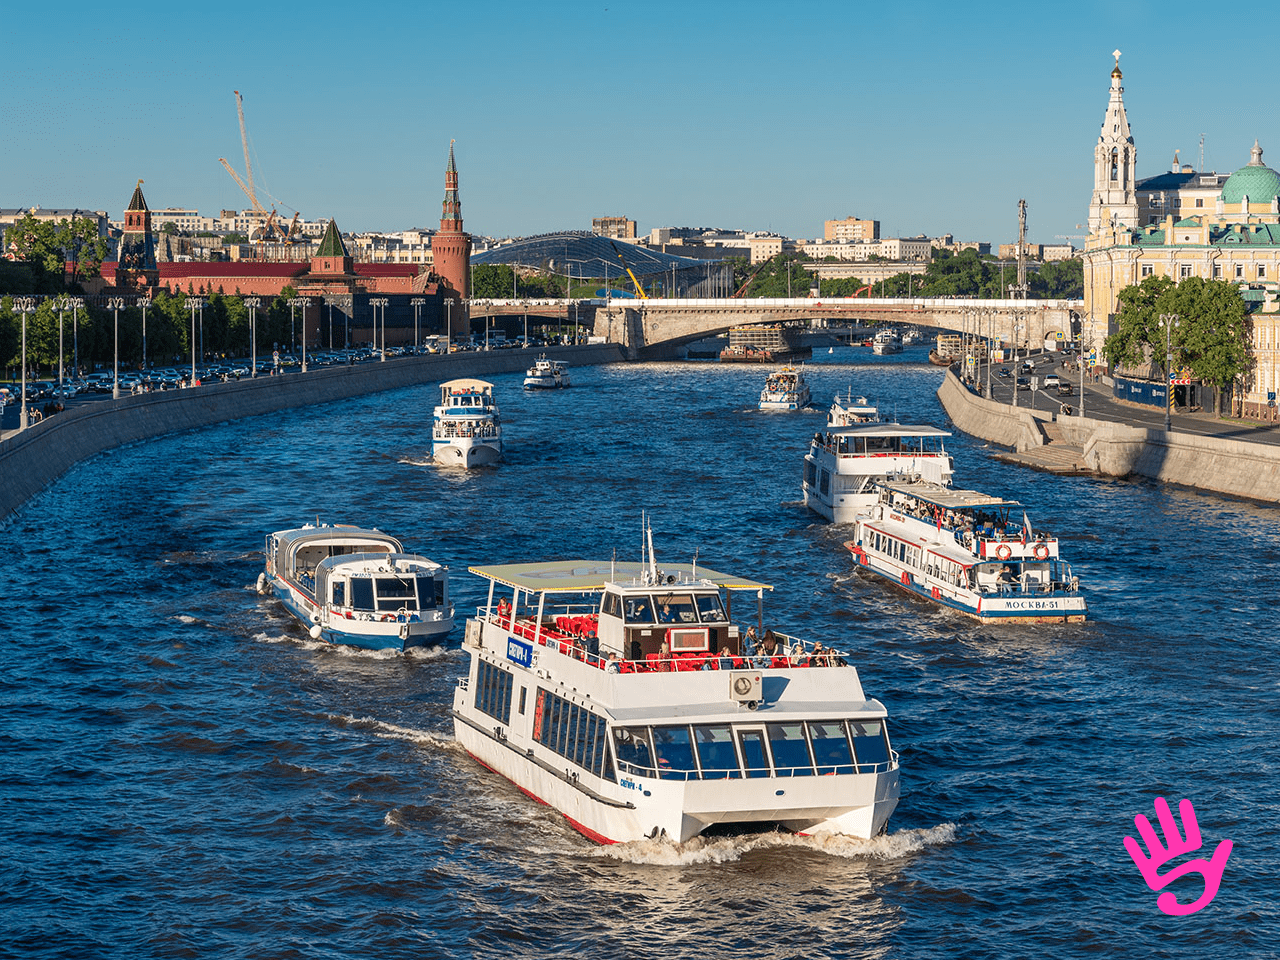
[[639, 610], [831, 748], [675, 608], [396, 592], [611, 605], [339, 593], [631, 746], [869, 741], [362, 593], [709, 608], [790, 749], [716, 755], [753, 753], [674, 750], [429, 590]]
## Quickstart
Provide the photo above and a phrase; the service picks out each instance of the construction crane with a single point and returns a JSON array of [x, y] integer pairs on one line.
[[639, 289], [249, 190]]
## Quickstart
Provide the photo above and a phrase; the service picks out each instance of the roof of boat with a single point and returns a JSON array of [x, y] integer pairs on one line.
[[889, 430], [947, 498], [580, 576], [467, 383], [336, 531]]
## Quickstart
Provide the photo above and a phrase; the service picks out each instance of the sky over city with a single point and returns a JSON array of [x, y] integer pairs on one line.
[[932, 118]]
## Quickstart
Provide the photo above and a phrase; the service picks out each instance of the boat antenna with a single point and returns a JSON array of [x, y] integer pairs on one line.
[[653, 561], [613, 563], [694, 573]]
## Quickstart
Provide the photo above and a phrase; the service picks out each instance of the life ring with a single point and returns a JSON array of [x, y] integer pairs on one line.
[[1004, 552], [1042, 551], [906, 579], [937, 594]]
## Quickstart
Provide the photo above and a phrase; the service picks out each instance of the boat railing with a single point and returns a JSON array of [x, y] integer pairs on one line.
[[664, 772], [1033, 588]]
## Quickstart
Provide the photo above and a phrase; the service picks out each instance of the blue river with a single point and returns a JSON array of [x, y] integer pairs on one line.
[[185, 774]]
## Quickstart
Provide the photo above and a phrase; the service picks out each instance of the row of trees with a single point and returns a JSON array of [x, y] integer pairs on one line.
[[44, 248]]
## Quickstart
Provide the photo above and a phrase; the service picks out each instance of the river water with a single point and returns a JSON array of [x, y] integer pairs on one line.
[[186, 775]]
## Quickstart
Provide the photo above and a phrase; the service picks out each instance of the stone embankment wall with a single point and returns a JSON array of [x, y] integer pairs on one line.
[[31, 460], [1235, 468]]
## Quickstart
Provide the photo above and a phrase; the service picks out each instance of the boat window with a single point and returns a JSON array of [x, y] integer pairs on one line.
[[675, 608], [440, 592], [632, 747], [426, 593], [718, 759], [870, 741], [831, 747], [824, 485], [639, 610], [674, 751], [396, 592], [709, 608], [754, 757], [810, 472], [790, 749], [339, 593], [612, 605], [589, 741], [493, 691], [362, 594]]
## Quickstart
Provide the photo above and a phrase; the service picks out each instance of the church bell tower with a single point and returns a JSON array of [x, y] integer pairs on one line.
[[1115, 166]]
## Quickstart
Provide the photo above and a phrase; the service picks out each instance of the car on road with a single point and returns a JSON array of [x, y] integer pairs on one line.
[[1052, 380], [1064, 389], [1024, 383], [1003, 372]]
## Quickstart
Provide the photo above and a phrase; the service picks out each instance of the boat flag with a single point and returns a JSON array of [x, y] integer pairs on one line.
[[1026, 528]]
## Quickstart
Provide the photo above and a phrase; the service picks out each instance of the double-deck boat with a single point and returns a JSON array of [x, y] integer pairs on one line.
[[350, 585], [546, 375], [849, 411], [843, 464], [624, 696], [785, 389], [467, 430], [886, 342], [960, 549]]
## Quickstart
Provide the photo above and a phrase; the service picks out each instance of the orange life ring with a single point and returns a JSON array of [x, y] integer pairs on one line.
[[1042, 551], [1004, 552], [937, 594], [906, 579]]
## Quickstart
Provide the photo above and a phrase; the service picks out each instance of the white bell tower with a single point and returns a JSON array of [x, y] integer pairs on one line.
[[1115, 165]]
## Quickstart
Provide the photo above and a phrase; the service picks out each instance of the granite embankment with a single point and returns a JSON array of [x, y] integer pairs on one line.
[[1236, 468], [31, 460]]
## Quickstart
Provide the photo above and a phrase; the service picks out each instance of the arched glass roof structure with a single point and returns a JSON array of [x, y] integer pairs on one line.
[[589, 255]]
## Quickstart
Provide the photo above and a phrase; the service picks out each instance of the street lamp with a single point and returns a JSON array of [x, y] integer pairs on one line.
[[114, 305], [302, 302], [1170, 320], [377, 302], [62, 306], [1017, 329], [253, 303], [448, 323], [76, 304], [144, 303], [191, 304], [25, 306], [416, 303]]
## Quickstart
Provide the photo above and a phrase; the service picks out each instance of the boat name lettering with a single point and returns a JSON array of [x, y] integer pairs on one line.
[[896, 516], [629, 784], [519, 652], [1031, 605]]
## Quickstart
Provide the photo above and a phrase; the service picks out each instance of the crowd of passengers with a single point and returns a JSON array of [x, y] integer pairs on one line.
[[576, 636], [965, 525]]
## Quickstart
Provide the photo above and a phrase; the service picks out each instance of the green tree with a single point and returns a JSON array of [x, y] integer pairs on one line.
[[1138, 324], [47, 247]]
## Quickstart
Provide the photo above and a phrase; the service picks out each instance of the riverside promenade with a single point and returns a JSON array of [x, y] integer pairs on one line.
[[1123, 440], [32, 459]]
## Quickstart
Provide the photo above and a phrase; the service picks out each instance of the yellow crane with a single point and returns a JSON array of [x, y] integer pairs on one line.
[[639, 289]]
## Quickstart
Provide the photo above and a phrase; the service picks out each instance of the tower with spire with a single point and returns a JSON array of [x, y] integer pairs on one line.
[[451, 250], [137, 258], [1115, 166]]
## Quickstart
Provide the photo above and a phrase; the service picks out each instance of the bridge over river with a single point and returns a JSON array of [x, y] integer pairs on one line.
[[655, 328]]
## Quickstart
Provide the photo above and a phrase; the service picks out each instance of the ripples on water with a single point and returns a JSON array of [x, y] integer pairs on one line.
[[186, 774]]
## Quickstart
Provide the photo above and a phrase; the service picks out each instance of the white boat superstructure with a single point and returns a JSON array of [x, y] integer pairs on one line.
[[641, 714], [886, 342], [843, 465], [849, 411], [785, 389], [356, 586], [911, 336], [467, 431], [963, 550], [547, 375]]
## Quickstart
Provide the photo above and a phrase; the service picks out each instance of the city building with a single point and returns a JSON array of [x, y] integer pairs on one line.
[[851, 228], [615, 228]]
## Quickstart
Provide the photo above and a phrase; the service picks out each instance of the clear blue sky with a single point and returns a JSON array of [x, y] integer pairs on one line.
[[932, 117]]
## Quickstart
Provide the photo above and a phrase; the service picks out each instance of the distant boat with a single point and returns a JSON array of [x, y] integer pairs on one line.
[[831, 349]]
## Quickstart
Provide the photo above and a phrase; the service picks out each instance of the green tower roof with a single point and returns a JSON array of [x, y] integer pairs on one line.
[[331, 244]]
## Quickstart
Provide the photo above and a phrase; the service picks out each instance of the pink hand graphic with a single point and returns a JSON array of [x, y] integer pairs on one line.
[[1210, 870]]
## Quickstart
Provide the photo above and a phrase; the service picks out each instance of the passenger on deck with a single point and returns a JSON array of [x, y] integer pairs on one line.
[[666, 614], [611, 662], [1006, 575], [749, 642], [635, 652], [664, 658], [769, 649], [726, 658]]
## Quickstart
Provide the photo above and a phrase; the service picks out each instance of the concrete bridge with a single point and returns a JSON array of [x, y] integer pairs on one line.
[[655, 328]]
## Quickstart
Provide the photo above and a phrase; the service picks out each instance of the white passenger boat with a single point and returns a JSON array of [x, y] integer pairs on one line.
[[843, 464], [546, 375], [961, 549], [785, 389], [350, 585], [849, 411], [467, 430], [886, 342], [659, 723]]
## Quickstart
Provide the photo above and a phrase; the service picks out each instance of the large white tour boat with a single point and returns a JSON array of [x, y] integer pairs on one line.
[[785, 389], [547, 375], [467, 430], [843, 464], [350, 585], [961, 549], [624, 697], [885, 342], [849, 411]]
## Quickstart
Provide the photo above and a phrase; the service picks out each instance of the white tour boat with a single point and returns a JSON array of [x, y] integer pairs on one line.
[[849, 411], [467, 430], [546, 375], [843, 464], [659, 723], [960, 549], [350, 585], [885, 342], [785, 389]]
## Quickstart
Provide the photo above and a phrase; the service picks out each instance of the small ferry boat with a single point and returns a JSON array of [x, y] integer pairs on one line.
[[350, 585], [911, 336], [546, 375], [467, 430], [960, 549], [642, 714], [886, 342], [785, 389], [848, 411], [938, 360], [843, 464]]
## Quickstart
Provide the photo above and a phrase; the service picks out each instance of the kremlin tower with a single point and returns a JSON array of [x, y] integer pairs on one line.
[[137, 258], [451, 251]]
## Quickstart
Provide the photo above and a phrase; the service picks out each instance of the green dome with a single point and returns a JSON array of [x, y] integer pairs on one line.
[[1259, 183]]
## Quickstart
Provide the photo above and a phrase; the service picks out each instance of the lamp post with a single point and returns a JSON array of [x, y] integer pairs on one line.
[[1017, 329], [191, 304], [75, 303], [302, 302], [346, 305], [416, 303], [144, 303], [1170, 320], [253, 303], [25, 306], [62, 306], [377, 302], [448, 323], [114, 304]]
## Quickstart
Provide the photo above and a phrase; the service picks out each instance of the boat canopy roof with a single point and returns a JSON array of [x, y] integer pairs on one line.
[[888, 430], [946, 497], [467, 383], [339, 534], [582, 576]]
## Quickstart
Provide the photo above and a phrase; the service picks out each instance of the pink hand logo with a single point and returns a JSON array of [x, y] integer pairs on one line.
[[1211, 870]]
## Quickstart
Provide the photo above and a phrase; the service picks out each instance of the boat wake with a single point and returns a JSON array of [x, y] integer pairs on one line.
[[391, 731], [890, 846]]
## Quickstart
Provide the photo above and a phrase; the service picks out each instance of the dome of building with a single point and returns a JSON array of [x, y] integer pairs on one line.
[[1259, 183]]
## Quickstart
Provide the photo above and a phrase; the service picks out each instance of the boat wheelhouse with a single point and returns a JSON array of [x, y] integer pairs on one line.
[[785, 389], [843, 464], [547, 375], [849, 411], [357, 586], [624, 697], [962, 549], [468, 430]]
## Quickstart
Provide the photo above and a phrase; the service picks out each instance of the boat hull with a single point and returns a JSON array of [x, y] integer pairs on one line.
[[388, 632], [467, 452]]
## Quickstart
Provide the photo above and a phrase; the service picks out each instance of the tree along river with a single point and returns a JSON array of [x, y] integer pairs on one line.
[[186, 774]]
